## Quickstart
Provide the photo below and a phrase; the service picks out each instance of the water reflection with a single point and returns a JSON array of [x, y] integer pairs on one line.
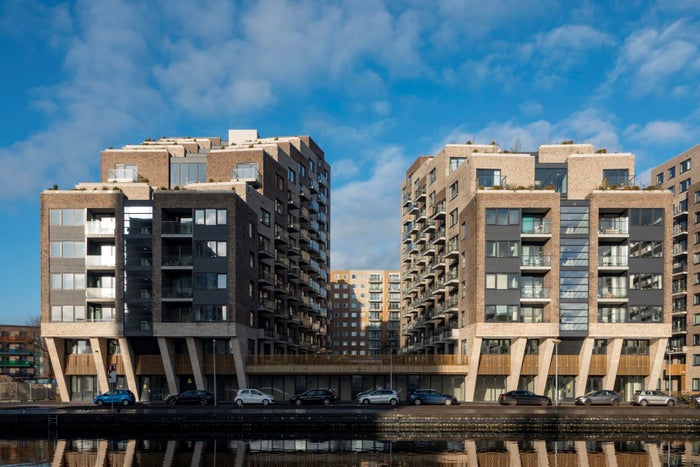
[[358, 452]]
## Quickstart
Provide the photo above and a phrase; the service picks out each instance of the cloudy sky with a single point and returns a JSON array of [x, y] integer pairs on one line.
[[375, 83]]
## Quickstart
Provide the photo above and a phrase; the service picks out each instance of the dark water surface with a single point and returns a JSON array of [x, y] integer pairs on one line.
[[222, 450]]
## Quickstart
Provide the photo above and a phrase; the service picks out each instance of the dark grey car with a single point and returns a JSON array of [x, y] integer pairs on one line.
[[599, 397]]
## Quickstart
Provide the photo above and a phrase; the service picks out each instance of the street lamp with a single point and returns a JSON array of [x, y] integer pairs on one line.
[[556, 343], [214, 352]]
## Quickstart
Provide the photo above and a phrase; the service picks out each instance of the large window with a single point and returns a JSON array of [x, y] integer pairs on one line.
[[190, 172], [502, 281], [68, 281], [503, 216], [615, 177], [204, 313], [646, 281], [495, 346], [646, 249], [573, 284], [574, 220], [502, 249], [488, 177], [573, 316], [67, 217], [67, 249], [210, 249], [685, 165], [574, 252], [635, 347], [209, 281], [210, 216], [645, 217], [501, 313], [455, 162]]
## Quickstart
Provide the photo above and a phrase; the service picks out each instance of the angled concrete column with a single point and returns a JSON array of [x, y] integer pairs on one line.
[[195, 348], [128, 363], [130, 452], [517, 354], [657, 354], [167, 354], [102, 446], [545, 361], [581, 453], [614, 352], [470, 380], [541, 452], [472, 453], [99, 354], [513, 454], [57, 351], [169, 457], [58, 453], [654, 454], [584, 366], [610, 457], [197, 454], [239, 363]]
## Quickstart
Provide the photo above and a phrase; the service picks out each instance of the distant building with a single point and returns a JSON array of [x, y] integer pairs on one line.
[[548, 270], [21, 352], [364, 314], [189, 255], [681, 176]]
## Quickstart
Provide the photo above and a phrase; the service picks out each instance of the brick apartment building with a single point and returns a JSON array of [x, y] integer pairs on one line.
[[547, 269], [187, 256]]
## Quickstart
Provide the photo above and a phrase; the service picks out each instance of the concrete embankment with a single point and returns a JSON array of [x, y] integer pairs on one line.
[[285, 420]]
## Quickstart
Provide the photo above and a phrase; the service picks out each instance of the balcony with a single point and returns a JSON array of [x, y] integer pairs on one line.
[[177, 227], [177, 292], [613, 262], [536, 227], [250, 175], [613, 226], [536, 261], [535, 293], [124, 175], [100, 227], [612, 294], [96, 293], [100, 261]]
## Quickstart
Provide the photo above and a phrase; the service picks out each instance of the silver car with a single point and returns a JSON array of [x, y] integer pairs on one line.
[[252, 396], [653, 397], [378, 396], [599, 397]]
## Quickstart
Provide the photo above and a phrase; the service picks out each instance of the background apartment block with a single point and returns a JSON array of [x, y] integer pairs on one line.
[[189, 255], [547, 269], [21, 353], [364, 307], [681, 176]]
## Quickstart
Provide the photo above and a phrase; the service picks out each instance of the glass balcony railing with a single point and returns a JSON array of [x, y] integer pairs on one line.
[[612, 261], [612, 292], [537, 227], [536, 261], [534, 292], [616, 226]]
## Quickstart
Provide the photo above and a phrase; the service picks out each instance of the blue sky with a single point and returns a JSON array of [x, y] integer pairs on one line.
[[375, 83]]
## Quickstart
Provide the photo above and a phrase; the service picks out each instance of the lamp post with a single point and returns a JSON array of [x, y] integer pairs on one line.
[[214, 353], [556, 343], [391, 368]]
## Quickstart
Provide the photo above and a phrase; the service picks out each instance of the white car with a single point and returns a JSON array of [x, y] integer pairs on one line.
[[378, 396], [653, 397], [252, 396]]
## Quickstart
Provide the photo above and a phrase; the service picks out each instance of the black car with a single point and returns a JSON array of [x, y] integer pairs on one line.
[[523, 398], [194, 396], [313, 396]]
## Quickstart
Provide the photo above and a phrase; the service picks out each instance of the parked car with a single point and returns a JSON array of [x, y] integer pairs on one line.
[[117, 396], [521, 397], [252, 396], [194, 396], [313, 396], [599, 397], [653, 397], [694, 399], [378, 396], [430, 396]]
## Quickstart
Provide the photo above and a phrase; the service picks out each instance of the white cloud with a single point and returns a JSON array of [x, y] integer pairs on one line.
[[373, 243], [652, 61], [658, 132]]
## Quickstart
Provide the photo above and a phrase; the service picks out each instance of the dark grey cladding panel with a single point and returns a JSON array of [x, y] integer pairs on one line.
[[502, 232], [502, 297], [504, 265]]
